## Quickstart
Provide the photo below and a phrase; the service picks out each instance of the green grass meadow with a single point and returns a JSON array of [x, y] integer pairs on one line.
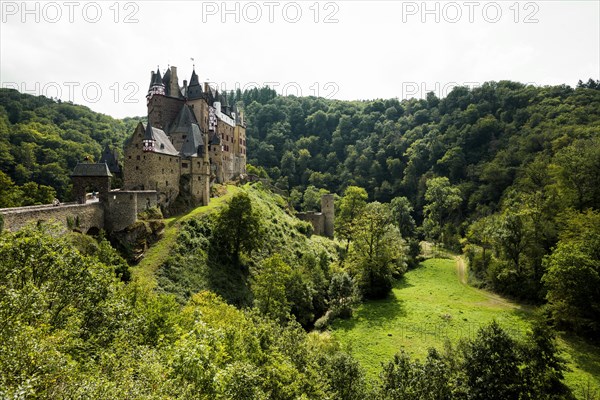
[[431, 306]]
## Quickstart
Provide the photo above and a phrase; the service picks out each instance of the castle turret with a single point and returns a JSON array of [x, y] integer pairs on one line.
[[149, 141], [156, 85]]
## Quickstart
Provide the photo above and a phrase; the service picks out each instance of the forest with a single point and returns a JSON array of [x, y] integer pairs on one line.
[[507, 173], [240, 303]]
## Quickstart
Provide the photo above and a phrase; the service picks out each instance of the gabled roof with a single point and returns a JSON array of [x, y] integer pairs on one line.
[[162, 143], [91, 169], [183, 120]]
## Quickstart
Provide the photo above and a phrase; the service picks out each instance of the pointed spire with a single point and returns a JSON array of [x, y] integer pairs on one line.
[[194, 90], [194, 79], [157, 80], [149, 133]]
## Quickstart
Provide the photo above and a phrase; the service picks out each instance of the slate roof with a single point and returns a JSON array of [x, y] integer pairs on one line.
[[193, 142], [91, 169], [111, 158], [186, 123], [194, 89], [215, 139], [183, 120], [162, 143], [156, 79]]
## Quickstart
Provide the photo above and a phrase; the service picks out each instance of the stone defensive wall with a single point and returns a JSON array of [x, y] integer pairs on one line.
[[316, 219], [116, 214], [81, 217]]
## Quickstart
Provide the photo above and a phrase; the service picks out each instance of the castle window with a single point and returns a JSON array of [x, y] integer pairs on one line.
[[159, 157], [184, 136], [199, 178], [144, 157], [130, 157], [137, 158], [184, 165], [163, 170], [167, 183], [137, 167]]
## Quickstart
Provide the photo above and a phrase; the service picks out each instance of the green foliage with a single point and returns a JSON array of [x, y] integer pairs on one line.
[[70, 329], [238, 228], [573, 274], [405, 379], [377, 252], [41, 141], [443, 200], [312, 198], [491, 366], [349, 209], [269, 283], [203, 257], [402, 216]]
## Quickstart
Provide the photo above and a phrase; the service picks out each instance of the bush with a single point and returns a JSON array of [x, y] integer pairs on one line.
[[150, 213], [305, 228]]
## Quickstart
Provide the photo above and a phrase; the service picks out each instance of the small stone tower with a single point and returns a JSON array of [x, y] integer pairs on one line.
[[327, 209], [91, 176]]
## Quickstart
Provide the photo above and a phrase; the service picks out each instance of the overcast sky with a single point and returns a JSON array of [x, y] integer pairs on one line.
[[100, 54]]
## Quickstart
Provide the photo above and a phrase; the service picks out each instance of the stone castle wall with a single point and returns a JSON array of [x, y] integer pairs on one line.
[[81, 217], [323, 221], [114, 214], [150, 170], [316, 219]]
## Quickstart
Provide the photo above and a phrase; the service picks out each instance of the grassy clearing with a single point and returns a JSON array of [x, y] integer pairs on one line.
[[432, 305], [159, 252]]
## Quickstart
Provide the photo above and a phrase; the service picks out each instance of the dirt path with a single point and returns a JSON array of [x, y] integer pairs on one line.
[[494, 299], [461, 270]]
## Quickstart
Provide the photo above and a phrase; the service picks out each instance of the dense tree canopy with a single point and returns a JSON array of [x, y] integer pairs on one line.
[[41, 141]]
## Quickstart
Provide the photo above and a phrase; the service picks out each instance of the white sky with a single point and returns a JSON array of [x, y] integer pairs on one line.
[[365, 50]]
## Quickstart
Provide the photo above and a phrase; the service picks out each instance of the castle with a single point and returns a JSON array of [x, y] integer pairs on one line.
[[193, 138]]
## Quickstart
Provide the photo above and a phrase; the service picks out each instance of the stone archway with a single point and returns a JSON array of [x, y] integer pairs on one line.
[[91, 176]]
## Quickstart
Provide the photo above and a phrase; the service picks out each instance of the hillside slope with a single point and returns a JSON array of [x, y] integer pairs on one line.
[[184, 263]]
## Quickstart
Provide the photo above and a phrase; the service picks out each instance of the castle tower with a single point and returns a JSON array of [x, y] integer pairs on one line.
[[93, 177], [327, 209], [156, 85]]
